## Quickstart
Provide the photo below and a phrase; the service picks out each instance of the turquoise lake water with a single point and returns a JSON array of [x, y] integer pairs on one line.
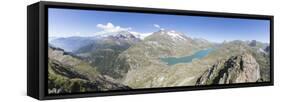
[[186, 59]]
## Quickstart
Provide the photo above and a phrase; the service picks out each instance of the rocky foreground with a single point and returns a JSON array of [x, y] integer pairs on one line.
[[237, 69]]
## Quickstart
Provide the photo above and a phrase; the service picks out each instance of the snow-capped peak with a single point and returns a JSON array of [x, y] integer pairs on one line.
[[140, 35], [116, 34], [125, 34], [173, 34]]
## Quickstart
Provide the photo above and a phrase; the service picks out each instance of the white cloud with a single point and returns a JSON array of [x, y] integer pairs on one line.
[[110, 28], [157, 26]]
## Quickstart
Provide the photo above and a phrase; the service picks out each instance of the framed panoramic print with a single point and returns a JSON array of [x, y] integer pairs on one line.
[[82, 50]]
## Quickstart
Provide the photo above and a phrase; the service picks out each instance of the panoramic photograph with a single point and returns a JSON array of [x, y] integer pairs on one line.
[[96, 51]]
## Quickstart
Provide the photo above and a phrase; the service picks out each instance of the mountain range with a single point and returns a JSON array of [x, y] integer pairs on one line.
[[124, 60]]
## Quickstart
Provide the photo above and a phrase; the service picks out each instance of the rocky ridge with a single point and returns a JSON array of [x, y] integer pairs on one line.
[[236, 69]]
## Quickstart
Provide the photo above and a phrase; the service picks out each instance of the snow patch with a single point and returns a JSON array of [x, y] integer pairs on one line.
[[175, 35], [140, 35]]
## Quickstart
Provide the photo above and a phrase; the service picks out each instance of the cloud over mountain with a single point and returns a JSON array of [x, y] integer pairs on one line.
[[158, 26], [110, 28]]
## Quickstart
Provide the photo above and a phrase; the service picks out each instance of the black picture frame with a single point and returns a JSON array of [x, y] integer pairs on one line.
[[37, 56]]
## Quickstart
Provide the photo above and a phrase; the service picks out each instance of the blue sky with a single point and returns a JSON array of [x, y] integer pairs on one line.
[[70, 22]]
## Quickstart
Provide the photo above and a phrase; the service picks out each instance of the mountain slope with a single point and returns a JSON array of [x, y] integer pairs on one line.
[[67, 74], [160, 44], [103, 53], [172, 43], [141, 67]]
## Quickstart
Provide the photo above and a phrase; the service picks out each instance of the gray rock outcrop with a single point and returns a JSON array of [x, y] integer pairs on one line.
[[237, 69]]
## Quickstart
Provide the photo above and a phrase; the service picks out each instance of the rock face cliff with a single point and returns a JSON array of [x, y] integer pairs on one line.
[[236, 69]]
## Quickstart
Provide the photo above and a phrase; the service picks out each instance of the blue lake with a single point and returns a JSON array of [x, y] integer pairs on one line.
[[186, 59]]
